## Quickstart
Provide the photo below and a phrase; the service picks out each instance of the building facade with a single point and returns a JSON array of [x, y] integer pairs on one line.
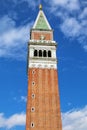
[[43, 102]]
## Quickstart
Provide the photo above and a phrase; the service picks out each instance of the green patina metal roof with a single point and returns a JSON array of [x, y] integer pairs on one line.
[[41, 22]]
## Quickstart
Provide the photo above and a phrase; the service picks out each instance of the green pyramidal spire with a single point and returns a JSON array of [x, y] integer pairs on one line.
[[41, 21]]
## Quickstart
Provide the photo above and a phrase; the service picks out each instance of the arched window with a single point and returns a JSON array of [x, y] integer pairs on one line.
[[35, 52], [49, 53], [44, 53], [40, 53]]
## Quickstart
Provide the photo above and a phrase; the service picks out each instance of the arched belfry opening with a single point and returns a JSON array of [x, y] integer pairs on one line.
[[35, 53], [40, 53], [44, 53], [49, 53]]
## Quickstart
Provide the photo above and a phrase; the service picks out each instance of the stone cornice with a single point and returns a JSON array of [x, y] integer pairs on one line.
[[43, 58], [42, 42]]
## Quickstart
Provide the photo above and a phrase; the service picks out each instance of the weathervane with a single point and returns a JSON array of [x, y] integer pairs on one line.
[[40, 6]]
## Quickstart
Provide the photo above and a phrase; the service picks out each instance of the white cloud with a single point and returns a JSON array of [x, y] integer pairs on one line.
[[75, 29], [73, 5], [71, 27], [20, 99], [23, 98], [83, 14], [32, 4], [85, 47], [6, 24], [14, 120], [75, 119], [2, 120], [73, 15], [13, 40], [66, 4]]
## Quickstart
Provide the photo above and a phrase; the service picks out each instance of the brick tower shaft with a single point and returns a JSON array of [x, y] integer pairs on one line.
[[43, 102]]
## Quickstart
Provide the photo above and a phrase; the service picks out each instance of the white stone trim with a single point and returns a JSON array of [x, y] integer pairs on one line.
[[44, 18], [42, 41], [42, 64]]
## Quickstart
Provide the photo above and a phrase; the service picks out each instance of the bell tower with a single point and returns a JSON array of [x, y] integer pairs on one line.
[[43, 102]]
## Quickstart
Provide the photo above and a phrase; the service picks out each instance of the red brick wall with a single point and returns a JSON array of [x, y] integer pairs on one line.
[[46, 102], [37, 35]]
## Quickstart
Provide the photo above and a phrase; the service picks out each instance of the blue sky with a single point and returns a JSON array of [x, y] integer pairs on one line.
[[68, 18]]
